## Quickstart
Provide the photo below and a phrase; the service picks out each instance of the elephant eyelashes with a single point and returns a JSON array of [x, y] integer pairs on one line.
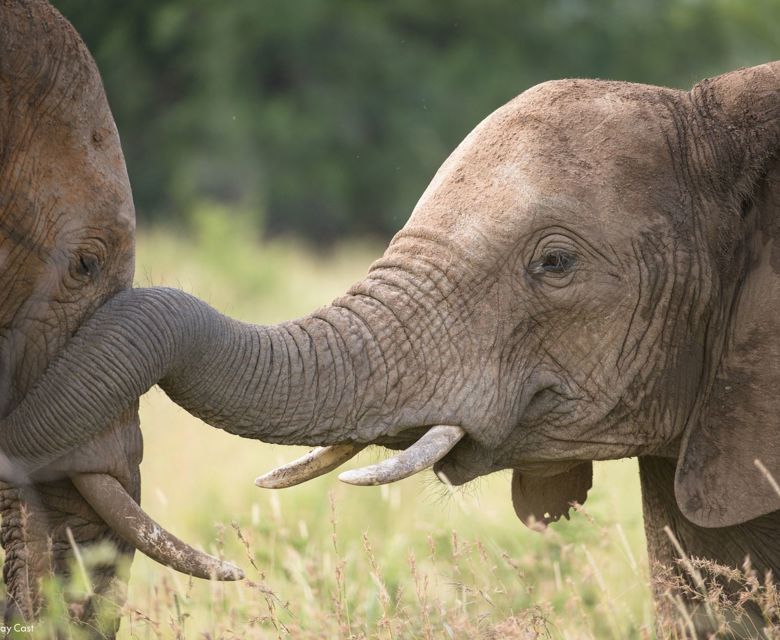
[[556, 262]]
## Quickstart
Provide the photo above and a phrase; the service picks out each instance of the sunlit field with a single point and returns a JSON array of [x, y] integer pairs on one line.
[[327, 560]]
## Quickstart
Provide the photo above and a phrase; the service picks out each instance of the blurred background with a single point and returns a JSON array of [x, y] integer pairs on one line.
[[327, 118], [274, 147]]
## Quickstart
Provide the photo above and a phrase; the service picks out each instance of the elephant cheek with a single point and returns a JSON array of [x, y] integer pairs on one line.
[[538, 501]]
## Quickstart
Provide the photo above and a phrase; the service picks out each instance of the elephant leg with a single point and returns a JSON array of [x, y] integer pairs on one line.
[[42, 521], [674, 586], [36, 521]]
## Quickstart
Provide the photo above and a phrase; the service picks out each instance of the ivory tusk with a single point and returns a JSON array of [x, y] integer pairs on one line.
[[429, 449], [109, 499], [312, 465]]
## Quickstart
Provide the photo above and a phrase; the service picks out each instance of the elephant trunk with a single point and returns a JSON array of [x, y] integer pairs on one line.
[[348, 374], [301, 382]]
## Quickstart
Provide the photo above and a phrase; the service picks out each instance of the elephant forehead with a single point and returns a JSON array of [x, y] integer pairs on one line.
[[588, 148], [81, 172], [59, 149], [71, 191]]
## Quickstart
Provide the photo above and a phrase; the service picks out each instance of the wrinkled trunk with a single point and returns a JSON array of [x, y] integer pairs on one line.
[[350, 373], [323, 379]]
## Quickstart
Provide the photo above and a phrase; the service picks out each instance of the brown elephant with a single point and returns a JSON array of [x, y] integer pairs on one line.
[[592, 274], [67, 227]]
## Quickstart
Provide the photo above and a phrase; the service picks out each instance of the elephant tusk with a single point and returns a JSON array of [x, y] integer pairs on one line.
[[429, 449], [312, 465], [109, 499]]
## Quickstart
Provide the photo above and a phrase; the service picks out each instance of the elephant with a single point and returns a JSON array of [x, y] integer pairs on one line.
[[67, 242], [591, 275]]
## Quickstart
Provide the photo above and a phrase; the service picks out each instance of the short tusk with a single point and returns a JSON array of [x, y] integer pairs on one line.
[[429, 449], [317, 462], [109, 499]]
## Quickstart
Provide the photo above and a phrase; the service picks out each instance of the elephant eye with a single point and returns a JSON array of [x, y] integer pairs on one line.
[[87, 267], [555, 262]]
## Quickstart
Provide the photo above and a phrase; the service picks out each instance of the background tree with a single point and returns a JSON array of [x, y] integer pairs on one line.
[[328, 117]]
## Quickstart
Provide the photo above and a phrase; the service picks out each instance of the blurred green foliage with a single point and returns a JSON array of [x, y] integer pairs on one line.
[[328, 117]]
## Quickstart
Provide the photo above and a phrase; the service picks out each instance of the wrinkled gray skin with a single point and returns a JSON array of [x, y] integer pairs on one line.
[[591, 275], [66, 245]]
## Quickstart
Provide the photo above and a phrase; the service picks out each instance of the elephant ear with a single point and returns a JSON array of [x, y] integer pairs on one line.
[[538, 501], [719, 481]]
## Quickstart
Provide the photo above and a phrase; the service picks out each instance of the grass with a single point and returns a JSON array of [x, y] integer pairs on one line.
[[326, 560]]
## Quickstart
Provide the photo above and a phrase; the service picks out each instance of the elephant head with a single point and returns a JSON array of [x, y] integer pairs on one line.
[[67, 227], [590, 275]]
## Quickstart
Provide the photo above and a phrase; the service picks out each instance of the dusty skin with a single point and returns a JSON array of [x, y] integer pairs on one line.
[[592, 274]]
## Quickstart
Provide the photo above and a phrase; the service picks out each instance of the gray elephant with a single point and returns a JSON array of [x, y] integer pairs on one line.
[[67, 227], [66, 245], [592, 274]]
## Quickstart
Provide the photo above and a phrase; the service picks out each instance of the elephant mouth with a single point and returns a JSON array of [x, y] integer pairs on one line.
[[430, 448]]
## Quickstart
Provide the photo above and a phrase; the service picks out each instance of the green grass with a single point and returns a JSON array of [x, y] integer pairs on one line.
[[327, 560]]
